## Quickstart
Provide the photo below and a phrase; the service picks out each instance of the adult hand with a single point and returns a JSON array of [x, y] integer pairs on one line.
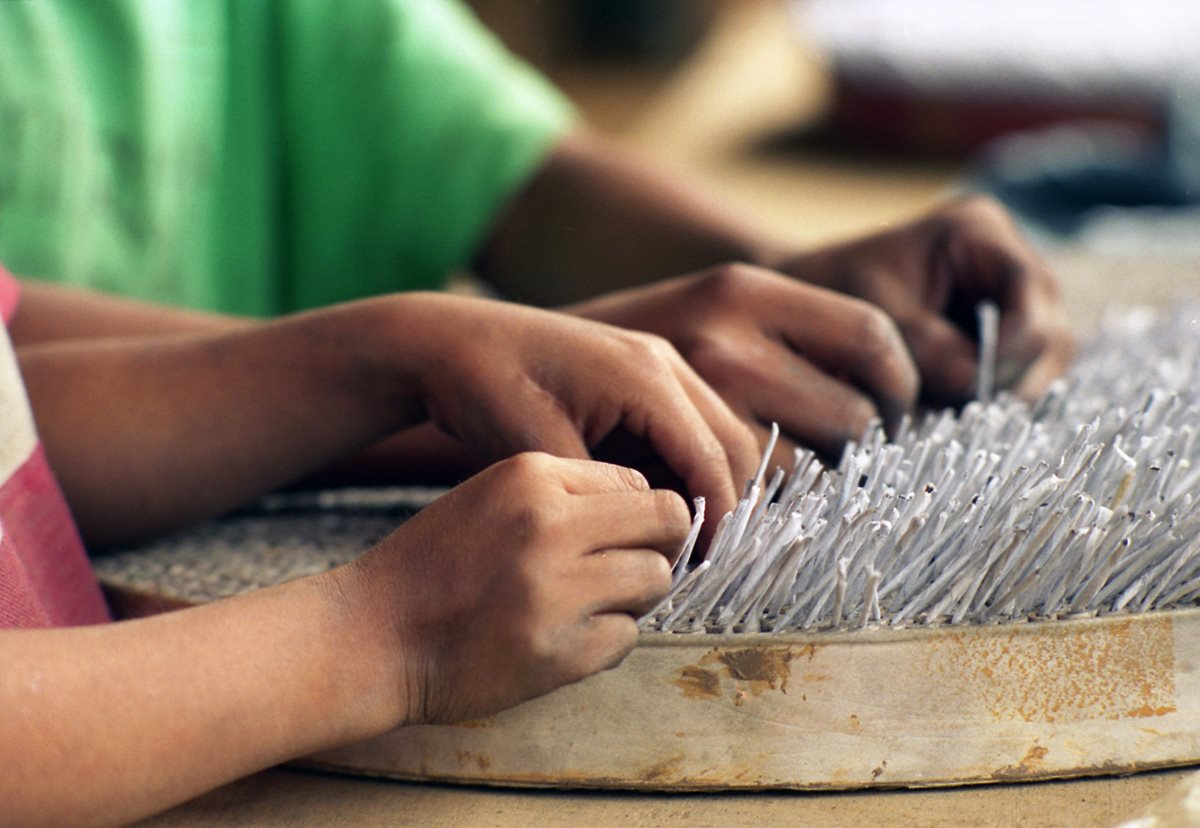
[[929, 275], [526, 577], [819, 363], [510, 378]]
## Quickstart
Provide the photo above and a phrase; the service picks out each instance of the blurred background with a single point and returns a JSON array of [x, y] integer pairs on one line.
[[826, 118]]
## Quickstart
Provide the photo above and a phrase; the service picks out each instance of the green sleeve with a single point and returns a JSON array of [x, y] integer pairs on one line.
[[407, 127], [137, 147], [258, 156]]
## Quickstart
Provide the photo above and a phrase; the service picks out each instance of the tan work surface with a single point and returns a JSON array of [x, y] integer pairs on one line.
[[303, 798]]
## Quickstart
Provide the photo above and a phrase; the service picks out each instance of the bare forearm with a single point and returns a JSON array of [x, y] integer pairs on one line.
[[594, 220], [55, 313], [105, 724], [146, 435], [50, 312]]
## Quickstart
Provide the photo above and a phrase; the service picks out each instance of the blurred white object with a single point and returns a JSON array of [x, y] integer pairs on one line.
[[1042, 48], [947, 74]]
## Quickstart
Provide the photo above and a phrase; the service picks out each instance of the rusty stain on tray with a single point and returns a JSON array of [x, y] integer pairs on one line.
[[763, 667], [1066, 673], [667, 769], [698, 683], [1028, 767], [752, 671], [466, 759]]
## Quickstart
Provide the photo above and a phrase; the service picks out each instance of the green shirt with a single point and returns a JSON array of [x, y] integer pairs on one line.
[[258, 156]]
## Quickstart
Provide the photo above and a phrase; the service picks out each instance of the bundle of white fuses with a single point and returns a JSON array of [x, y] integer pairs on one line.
[[1083, 504]]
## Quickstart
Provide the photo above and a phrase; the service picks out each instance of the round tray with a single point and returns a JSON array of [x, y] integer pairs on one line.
[[878, 708], [873, 708]]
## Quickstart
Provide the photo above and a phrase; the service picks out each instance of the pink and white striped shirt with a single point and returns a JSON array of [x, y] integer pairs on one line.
[[45, 577]]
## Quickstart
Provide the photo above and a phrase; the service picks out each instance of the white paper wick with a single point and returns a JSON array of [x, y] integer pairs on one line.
[[988, 314]]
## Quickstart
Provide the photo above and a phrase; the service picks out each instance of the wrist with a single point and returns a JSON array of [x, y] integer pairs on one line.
[[364, 620], [380, 355]]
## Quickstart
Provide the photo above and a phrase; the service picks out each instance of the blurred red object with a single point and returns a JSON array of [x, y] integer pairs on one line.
[[945, 77]]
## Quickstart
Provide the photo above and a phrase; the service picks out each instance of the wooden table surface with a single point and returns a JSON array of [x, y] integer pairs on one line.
[[307, 798]]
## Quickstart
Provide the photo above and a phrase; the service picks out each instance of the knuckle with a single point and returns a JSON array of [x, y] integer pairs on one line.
[[528, 464], [729, 282], [709, 452], [715, 358], [619, 642], [533, 520], [979, 207], [630, 478], [526, 477], [651, 349], [540, 642]]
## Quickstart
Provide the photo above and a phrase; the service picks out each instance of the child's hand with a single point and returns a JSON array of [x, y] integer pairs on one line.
[[930, 273], [526, 577], [505, 378], [819, 363]]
